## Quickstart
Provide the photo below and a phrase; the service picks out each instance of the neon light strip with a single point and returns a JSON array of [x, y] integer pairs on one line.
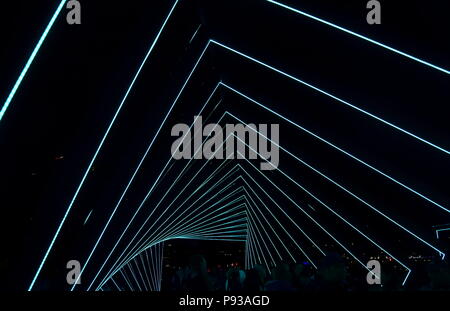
[[195, 33], [145, 273], [175, 211], [272, 215], [152, 267], [142, 203], [134, 276], [341, 187], [31, 59], [185, 216], [260, 235], [309, 132], [309, 216], [140, 274], [186, 230], [359, 36], [331, 96], [196, 216], [168, 237], [174, 232], [5, 106], [99, 147], [89, 215], [209, 190], [287, 75], [273, 230], [135, 173], [259, 245], [232, 50], [116, 285], [194, 192]]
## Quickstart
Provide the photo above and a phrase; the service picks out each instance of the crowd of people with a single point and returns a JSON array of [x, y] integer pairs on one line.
[[331, 274]]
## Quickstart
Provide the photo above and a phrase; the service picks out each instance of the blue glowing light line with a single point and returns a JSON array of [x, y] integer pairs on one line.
[[348, 223], [276, 219], [139, 166], [31, 59], [126, 258], [98, 150], [330, 95], [145, 272], [251, 228], [359, 36], [256, 207], [336, 147], [309, 216], [340, 186], [18, 82], [343, 219], [250, 217], [134, 276], [155, 240], [167, 207], [300, 248], [112, 279], [187, 224], [126, 280], [272, 69], [197, 215]]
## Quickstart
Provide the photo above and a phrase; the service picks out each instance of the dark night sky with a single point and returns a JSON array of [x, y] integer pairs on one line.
[[76, 83]]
